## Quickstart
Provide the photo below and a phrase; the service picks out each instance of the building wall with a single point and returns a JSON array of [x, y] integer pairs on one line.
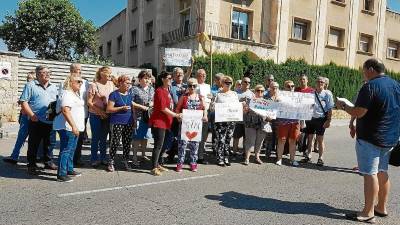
[[392, 22], [110, 32]]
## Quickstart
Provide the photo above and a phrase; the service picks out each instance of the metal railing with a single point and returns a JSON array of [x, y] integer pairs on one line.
[[216, 30]]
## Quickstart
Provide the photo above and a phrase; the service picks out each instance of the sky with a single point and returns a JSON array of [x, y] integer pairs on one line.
[[100, 11]]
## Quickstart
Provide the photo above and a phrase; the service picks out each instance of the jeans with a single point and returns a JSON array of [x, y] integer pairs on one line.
[[68, 143], [22, 136], [52, 146], [100, 129], [159, 136], [204, 136], [38, 131], [372, 159]]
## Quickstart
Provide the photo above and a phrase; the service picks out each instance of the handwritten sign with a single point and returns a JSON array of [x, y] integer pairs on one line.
[[5, 70], [228, 112], [263, 108], [178, 57], [290, 105], [191, 125]]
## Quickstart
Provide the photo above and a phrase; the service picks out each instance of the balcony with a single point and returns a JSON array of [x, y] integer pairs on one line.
[[218, 31]]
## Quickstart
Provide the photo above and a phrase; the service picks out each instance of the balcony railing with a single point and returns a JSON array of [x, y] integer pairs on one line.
[[218, 30]]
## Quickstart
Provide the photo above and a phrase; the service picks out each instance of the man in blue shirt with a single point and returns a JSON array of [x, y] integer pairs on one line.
[[35, 99], [377, 110]]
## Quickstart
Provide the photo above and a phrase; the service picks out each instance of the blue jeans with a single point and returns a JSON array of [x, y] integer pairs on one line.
[[100, 129], [22, 136], [371, 159], [68, 143]]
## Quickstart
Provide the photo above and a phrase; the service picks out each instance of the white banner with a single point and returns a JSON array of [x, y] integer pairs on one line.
[[192, 125], [178, 57], [263, 108], [291, 105], [5, 70], [228, 112]]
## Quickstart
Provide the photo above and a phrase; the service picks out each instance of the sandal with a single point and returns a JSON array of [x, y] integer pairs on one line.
[[355, 217], [379, 214], [320, 162]]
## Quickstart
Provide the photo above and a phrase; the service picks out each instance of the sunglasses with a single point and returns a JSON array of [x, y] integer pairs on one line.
[[270, 79], [228, 83], [192, 85], [79, 81], [320, 81], [260, 90], [246, 82], [290, 86]]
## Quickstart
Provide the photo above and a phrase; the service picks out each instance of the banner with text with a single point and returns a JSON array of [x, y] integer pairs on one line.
[[228, 112], [192, 125], [178, 57], [291, 105]]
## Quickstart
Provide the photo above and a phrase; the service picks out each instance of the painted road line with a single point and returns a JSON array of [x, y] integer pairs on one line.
[[136, 185]]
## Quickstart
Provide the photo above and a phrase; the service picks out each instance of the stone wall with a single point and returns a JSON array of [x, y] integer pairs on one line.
[[9, 89]]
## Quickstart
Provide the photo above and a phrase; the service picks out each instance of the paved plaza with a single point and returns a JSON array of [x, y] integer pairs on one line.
[[254, 194]]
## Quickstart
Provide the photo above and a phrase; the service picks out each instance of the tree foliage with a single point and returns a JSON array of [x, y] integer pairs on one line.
[[53, 29], [343, 81]]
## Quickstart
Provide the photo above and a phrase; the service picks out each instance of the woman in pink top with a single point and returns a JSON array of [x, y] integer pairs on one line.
[[98, 94]]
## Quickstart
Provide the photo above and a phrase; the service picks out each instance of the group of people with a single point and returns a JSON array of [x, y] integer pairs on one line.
[[129, 111]]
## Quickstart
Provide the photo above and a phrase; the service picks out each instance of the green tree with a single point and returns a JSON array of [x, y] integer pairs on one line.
[[53, 29]]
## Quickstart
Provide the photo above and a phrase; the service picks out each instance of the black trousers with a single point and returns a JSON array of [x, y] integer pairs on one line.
[[78, 150], [38, 131], [158, 136]]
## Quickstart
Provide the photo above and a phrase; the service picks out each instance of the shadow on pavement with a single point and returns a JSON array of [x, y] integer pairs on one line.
[[235, 200], [19, 171]]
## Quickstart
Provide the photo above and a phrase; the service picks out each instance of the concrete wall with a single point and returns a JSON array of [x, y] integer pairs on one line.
[[8, 89]]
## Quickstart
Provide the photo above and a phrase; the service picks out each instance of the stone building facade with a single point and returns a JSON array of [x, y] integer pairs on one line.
[[345, 32]]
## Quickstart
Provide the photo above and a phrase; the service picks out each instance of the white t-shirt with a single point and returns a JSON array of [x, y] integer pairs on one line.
[[83, 92], [227, 97], [77, 105], [205, 91]]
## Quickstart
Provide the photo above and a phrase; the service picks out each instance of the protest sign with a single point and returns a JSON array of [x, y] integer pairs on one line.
[[178, 57], [5, 70], [228, 112], [291, 105], [192, 124]]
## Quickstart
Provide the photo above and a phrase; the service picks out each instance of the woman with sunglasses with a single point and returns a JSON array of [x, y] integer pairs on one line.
[[270, 139], [161, 119], [69, 123], [287, 130], [191, 101], [254, 128], [224, 130], [121, 121]]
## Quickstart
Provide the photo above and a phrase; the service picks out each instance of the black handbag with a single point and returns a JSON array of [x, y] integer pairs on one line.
[[395, 156]]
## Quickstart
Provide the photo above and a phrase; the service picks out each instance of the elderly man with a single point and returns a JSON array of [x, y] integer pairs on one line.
[[377, 110], [268, 79], [35, 99], [204, 90]]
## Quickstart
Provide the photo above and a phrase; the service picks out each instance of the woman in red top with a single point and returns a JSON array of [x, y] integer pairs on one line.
[[161, 118]]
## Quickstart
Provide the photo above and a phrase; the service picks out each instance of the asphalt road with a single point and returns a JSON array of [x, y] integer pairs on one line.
[[254, 194]]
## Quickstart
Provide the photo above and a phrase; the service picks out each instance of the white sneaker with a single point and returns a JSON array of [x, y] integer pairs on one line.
[[279, 162], [294, 163]]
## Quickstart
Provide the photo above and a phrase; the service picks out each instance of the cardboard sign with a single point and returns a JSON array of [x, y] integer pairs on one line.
[[192, 125], [228, 112], [178, 57], [291, 105], [5, 70]]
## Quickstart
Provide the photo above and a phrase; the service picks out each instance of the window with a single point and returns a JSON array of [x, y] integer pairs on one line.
[[339, 2], [336, 37], [240, 25], [109, 48], [185, 22], [365, 44], [134, 5], [301, 29], [149, 31], [393, 49], [369, 5], [133, 38], [101, 50], [119, 43]]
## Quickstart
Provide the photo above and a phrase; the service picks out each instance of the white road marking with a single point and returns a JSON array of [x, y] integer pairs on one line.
[[135, 185]]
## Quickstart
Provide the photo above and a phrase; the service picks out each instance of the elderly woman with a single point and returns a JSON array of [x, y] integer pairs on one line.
[[254, 128], [69, 123], [121, 121], [224, 130], [270, 139], [191, 101], [288, 130], [142, 96], [161, 119], [97, 100]]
